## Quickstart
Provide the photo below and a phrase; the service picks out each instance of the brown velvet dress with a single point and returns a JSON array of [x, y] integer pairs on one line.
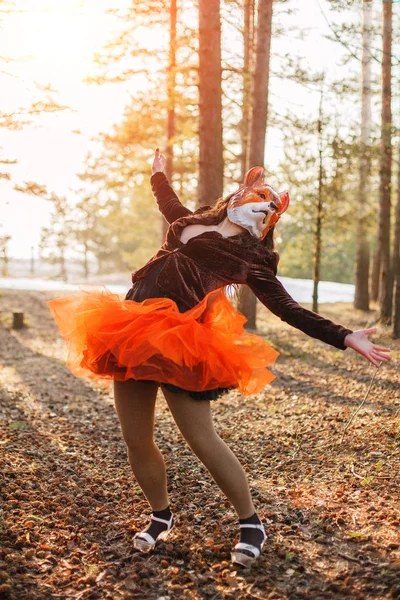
[[186, 273]]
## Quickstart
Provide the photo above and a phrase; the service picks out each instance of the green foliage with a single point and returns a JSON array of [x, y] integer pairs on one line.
[[126, 229], [340, 202], [116, 220]]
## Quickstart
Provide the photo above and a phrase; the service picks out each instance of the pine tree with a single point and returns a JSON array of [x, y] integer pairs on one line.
[[319, 212], [163, 113], [361, 296], [211, 168], [300, 170], [171, 90], [396, 260], [248, 55], [386, 282], [259, 116]]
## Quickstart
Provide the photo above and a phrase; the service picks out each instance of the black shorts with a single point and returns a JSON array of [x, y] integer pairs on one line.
[[205, 395]]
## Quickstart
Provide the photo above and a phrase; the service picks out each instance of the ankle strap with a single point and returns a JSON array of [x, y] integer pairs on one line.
[[153, 518], [251, 526]]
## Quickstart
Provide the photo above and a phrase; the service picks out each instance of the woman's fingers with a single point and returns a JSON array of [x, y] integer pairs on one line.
[[381, 357], [370, 331], [373, 359], [383, 352], [159, 161], [381, 348], [159, 156]]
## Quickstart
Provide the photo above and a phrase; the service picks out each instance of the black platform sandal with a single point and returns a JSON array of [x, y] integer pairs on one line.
[[244, 554], [145, 542]]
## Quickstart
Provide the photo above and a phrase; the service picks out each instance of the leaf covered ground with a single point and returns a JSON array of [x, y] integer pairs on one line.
[[71, 506]]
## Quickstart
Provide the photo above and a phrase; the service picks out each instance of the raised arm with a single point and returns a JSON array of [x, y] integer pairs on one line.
[[168, 202]]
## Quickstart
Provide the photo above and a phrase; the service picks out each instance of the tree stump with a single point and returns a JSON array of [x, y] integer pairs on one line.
[[18, 320]]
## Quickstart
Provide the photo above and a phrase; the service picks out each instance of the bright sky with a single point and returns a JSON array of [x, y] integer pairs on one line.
[[55, 42]]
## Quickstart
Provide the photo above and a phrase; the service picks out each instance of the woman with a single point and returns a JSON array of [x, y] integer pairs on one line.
[[177, 329]]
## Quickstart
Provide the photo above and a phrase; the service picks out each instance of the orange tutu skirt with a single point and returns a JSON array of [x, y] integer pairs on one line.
[[202, 349]]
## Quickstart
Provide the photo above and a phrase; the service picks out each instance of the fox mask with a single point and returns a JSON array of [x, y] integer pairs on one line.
[[256, 206]]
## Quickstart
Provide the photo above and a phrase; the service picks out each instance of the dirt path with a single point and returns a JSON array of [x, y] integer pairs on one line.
[[71, 505]]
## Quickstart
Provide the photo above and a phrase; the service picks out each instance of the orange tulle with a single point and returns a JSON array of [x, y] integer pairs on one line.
[[201, 349]]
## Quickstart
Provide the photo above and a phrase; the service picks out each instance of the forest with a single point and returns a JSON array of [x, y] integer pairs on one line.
[[207, 92], [308, 89]]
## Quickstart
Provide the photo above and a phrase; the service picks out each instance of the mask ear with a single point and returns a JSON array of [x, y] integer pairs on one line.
[[285, 200], [255, 174]]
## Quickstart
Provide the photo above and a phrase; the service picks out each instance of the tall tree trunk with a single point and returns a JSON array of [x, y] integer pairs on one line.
[[247, 300], [261, 84], [396, 261], [171, 82], [375, 274], [386, 292], [248, 45], [361, 296], [210, 103], [318, 220]]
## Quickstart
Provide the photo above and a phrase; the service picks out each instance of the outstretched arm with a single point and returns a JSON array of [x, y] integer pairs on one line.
[[168, 202], [273, 295]]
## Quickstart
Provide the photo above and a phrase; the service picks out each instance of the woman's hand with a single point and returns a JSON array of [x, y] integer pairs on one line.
[[158, 162], [358, 340]]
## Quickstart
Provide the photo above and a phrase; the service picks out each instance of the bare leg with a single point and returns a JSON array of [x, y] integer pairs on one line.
[[135, 403], [194, 420]]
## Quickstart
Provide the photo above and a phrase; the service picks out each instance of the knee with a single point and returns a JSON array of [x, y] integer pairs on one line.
[[138, 446], [201, 443]]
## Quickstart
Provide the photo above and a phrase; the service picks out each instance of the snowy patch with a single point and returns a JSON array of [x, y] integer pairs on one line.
[[299, 289]]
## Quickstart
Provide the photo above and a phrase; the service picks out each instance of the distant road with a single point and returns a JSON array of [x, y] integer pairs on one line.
[[300, 289]]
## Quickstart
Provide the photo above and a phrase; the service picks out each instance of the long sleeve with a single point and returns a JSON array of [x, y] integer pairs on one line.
[[273, 295], [168, 202]]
